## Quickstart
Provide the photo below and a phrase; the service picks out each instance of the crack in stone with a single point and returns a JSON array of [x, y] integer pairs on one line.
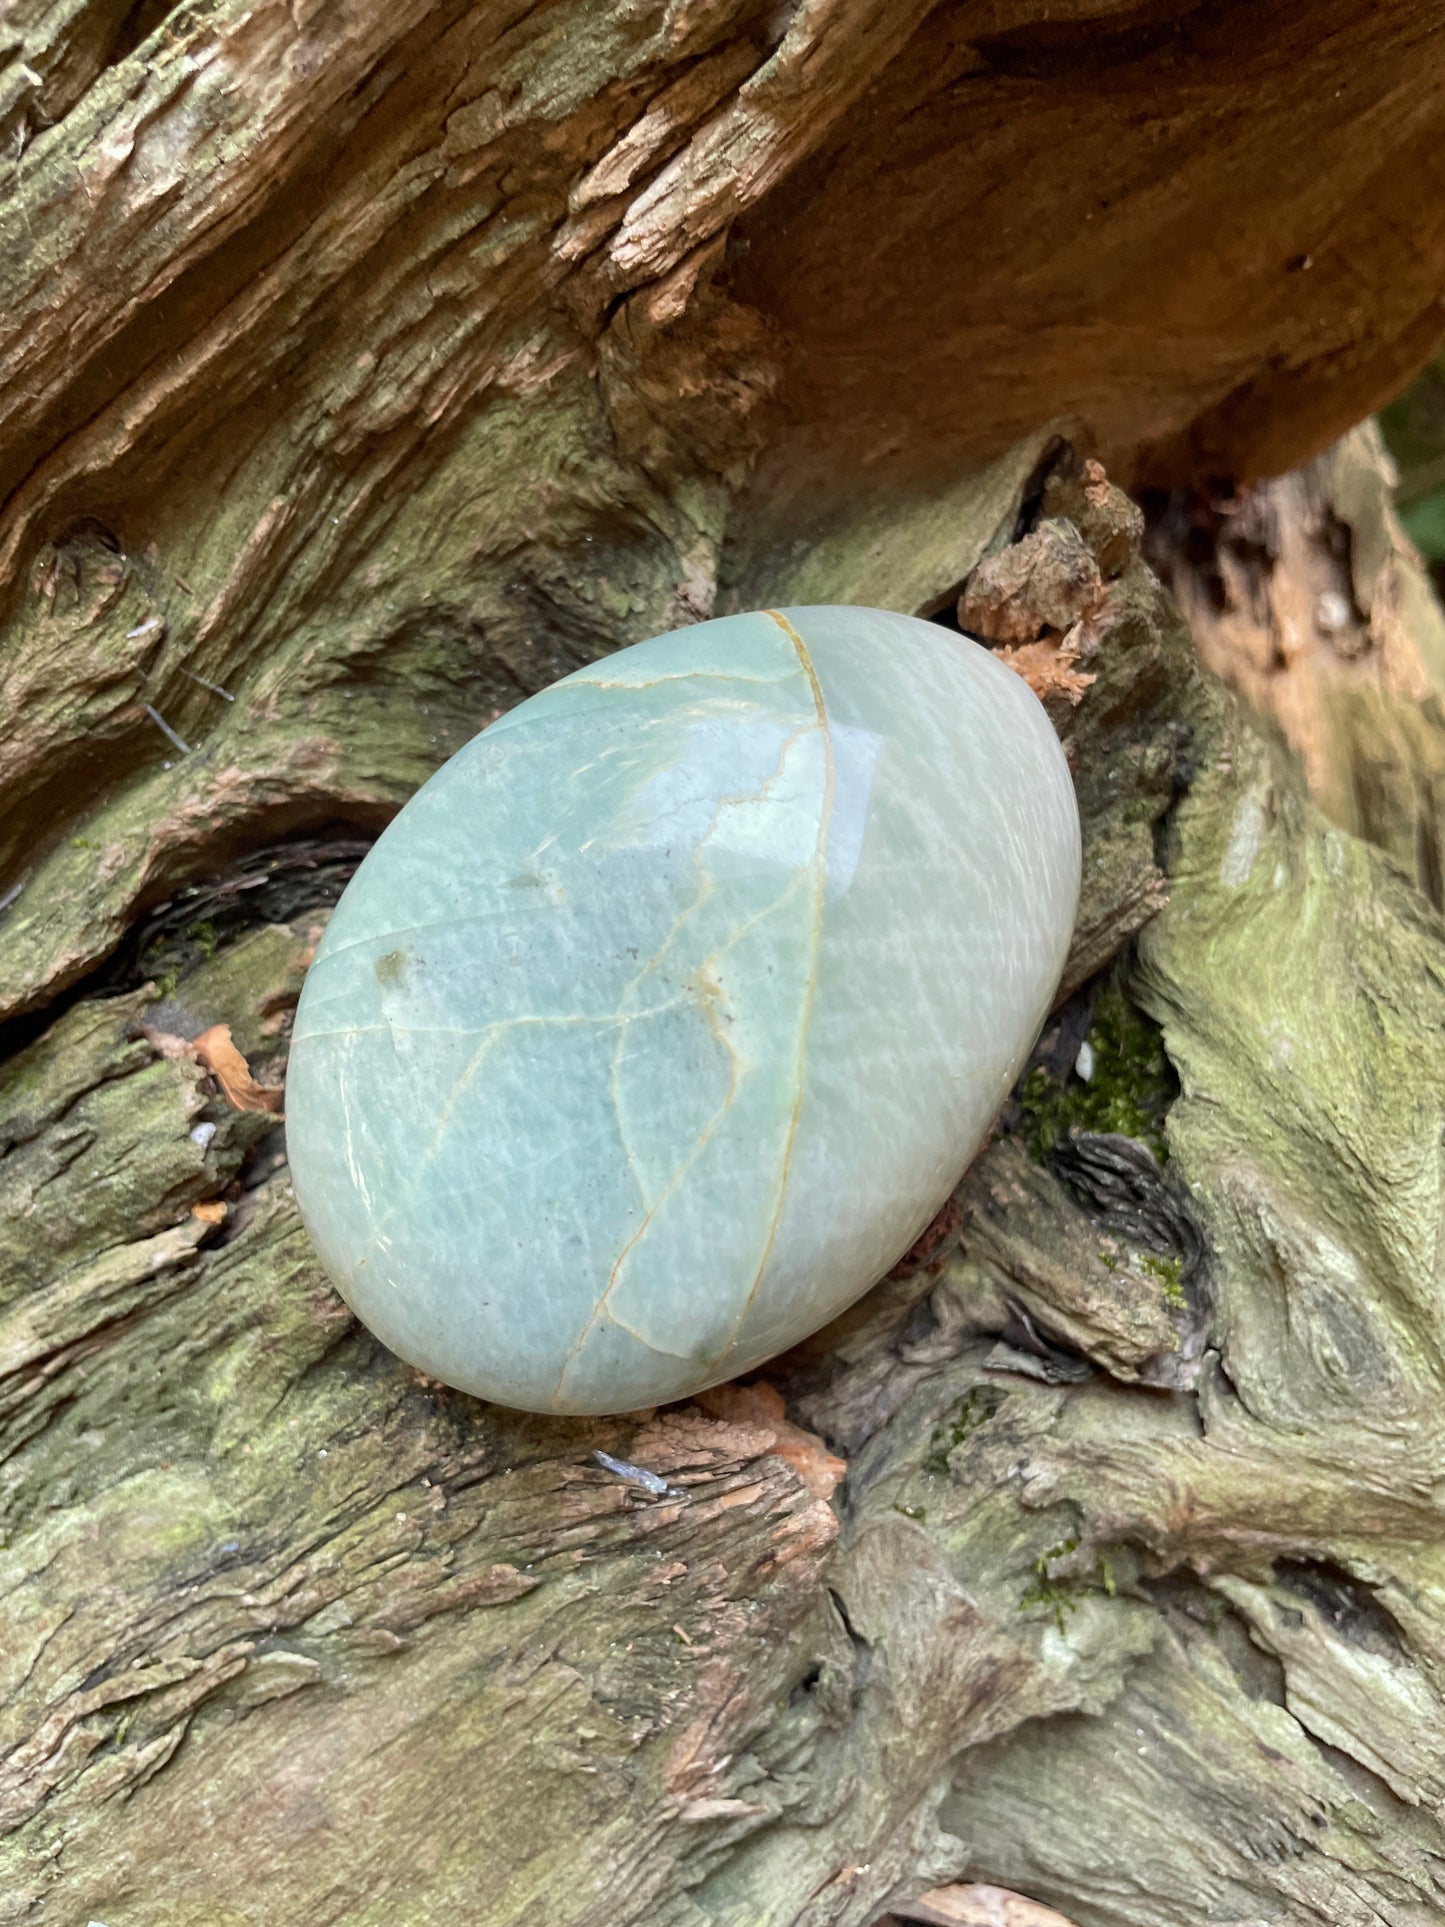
[[819, 868], [648, 1344], [484, 1030], [404, 930], [602, 1308], [489, 1039], [484, 916], [705, 883], [378, 1244], [585, 681], [479, 1056], [610, 1017], [706, 1003]]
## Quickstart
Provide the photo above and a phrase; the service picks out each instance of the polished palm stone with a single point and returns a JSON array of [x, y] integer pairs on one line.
[[667, 1014]]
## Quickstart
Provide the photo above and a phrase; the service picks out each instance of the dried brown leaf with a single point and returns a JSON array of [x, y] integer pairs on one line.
[[1049, 669], [214, 1049]]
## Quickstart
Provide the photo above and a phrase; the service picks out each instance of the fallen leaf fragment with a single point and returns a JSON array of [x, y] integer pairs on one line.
[[214, 1049], [979, 1906], [214, 1052], [210, 1211], [762, 1405], [1049, 669]]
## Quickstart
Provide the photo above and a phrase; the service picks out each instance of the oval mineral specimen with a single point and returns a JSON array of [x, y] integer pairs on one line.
[[667, 1014]]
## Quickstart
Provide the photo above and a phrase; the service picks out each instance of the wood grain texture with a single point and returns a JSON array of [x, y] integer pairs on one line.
[[366, 368]]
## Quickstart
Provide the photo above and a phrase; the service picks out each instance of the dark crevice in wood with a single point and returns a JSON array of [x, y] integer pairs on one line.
[[1345, 1603], [274, 883]]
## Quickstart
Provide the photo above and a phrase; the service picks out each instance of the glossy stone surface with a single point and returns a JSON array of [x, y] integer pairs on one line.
[[666, 1015]]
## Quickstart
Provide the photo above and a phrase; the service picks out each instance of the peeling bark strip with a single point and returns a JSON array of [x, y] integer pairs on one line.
[[364, 368]]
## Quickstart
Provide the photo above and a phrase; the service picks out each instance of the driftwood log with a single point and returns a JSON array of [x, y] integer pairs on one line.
[[364, 367]]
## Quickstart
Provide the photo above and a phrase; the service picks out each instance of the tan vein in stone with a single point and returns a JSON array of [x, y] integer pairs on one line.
[[820, 877], [376, 1239], [623, 1019], [471, 1030], [704, 890], [705, 885], [429, 1150], [707, 1004], [483, 916], [423, 1163], [674, 675], [648, 1344], [488, 1040], [405, 930], [490, 1036], [602, 1308]]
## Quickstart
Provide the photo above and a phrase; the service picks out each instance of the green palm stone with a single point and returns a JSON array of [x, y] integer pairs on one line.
[[667, 1014]]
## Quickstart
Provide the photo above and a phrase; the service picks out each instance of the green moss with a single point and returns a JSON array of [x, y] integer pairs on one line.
[[1130, 1091], [1414, 423], [1061, 1596], [174, 954], [1168, 1273], [975, 1410], [203, 935], [1055, 1595], [1424, 520]]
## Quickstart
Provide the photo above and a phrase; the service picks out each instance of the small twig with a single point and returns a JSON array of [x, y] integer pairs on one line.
[[164, 727], [214, 687], [650, 1482]]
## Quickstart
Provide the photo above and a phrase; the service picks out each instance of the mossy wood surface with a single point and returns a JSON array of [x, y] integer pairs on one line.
[[368, 367]]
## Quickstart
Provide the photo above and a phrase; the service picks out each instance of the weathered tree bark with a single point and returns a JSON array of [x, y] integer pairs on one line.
[[366, 367]]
